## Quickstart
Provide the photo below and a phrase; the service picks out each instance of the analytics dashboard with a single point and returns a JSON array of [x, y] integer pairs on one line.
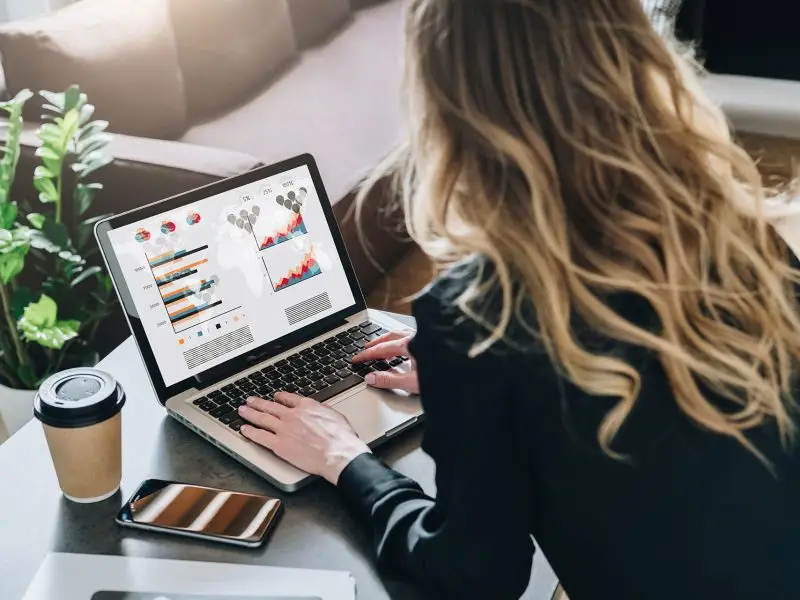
[[229, 273]]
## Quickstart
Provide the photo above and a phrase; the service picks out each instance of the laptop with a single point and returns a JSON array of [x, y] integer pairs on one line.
[[244, 287]]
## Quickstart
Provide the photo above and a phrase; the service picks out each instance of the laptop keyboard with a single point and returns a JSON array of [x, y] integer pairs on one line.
[[319, 372]]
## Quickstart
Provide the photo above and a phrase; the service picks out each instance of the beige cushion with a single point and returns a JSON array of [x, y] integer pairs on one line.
[[340, 102], [316, 20], [229, 48], [121, 53]]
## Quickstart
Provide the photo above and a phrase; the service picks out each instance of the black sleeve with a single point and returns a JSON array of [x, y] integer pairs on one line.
[[473, 540]]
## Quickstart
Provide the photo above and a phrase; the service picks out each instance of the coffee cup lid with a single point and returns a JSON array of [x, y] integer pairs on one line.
[[78, 398]]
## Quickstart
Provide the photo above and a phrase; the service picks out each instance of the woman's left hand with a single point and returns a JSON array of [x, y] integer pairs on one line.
[[303, 432]]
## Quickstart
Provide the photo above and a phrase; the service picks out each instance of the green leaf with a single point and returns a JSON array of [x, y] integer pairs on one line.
[[42, 172], [86, 169], [93, 128], [38, 324], [85, 274], [70, 257], [8, 214], [49, 133], [39, 241], [72, 98], [95, 142], [42, 313], [5, 236], [86, 112], [20, 298], [54, 98], [84, 196], [36, 219], [48, 192], [11, 145], [46, 152], [11, 265], [56, 233]]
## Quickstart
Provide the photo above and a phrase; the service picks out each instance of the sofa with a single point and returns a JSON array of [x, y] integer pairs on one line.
[[196, 91]]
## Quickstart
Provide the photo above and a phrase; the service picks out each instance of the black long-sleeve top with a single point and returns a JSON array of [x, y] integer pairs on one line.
[[689, 514]]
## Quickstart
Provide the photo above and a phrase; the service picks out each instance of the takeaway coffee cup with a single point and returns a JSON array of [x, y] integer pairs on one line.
[[80, 413]]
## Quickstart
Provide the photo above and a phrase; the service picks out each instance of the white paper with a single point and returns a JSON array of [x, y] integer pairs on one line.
[[80, 576]]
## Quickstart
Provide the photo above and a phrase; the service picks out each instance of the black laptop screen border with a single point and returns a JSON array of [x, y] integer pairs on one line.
[[265, 351]]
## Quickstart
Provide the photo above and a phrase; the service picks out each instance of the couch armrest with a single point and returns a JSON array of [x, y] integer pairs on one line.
[[144, 170]]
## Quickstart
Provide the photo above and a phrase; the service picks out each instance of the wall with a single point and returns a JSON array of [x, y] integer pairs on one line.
[[11, 10]]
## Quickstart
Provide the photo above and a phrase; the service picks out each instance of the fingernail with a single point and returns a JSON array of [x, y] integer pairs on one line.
[[250, 399], [242, 409], [370, 378]]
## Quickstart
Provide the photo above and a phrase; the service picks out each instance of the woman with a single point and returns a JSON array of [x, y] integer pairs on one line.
[[613, 353]]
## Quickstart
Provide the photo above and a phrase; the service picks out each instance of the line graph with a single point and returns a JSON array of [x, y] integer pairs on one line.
[[308, 268], [295, 227]]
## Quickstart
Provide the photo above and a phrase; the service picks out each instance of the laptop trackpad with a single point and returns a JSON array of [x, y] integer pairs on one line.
[[373, 412]]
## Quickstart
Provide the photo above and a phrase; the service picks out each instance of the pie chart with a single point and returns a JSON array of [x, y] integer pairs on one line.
[[142, 235], [192, 219], [167, 227]]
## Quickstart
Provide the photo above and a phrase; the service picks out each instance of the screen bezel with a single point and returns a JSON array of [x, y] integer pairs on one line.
[[150, 486], [256, 355]]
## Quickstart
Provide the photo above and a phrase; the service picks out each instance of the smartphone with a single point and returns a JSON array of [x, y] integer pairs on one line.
[[201, 512]]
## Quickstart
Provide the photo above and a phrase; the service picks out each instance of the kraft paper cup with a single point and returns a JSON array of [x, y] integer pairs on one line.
[[80, 414]]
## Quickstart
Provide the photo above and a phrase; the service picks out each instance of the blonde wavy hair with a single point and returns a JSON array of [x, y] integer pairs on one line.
[[573, 148]]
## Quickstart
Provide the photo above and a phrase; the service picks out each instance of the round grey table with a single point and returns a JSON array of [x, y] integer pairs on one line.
[[315, 532]]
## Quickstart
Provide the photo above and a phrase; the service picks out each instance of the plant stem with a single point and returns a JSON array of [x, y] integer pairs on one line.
[[59, 182], [12, 326]]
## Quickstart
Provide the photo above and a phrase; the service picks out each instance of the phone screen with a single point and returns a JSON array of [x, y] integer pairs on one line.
[[201, 511]]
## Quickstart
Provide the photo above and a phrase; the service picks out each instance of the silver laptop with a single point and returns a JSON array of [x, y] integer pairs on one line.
[[244, 287]]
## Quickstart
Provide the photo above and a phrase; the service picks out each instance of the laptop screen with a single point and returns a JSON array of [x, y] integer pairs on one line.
[[218, 277]]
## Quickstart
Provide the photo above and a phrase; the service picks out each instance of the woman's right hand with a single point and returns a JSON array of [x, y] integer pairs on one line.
[[391, 345]]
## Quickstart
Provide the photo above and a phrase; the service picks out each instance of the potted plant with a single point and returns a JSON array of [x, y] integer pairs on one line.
[[52, 300]]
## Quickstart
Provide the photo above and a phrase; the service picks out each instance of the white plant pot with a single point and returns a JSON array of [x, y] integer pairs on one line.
[[16, 409]]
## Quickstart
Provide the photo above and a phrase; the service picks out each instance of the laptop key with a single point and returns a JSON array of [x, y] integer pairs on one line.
[[342, 334], [236, 425], [221, 399], [274, 375], [230, 386], [281, 363], [339, 354], [200, 400], [365, 323], [303, 382], [357, 336], [285, 369], [214, 394], [359, 344], [363, 370], [371, 328], [237, 403], [220, 410], [291, 388], [320, 352], [331, 379], [337, 388], [307, 391], [302, 372], [318, 345], [354, 329], [340, 364], [325, 360], [316, 375], [381, 366], [328, 369], [229, 418], [373, 336], [343, 373], [351, 349], [307, 351], [396, 361], [319, 385]]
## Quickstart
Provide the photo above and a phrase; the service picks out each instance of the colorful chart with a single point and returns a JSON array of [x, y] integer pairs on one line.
[[294, 228], [166, 257], [167, 227], [305, 270], [192, 219], [142, 235]]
